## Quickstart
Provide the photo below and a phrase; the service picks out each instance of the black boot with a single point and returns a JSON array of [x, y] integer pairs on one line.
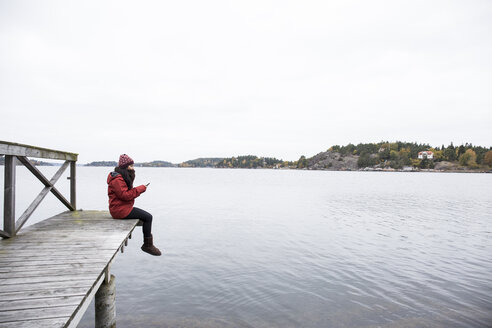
[[148, 247]]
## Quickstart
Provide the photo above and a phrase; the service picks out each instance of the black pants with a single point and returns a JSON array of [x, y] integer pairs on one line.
[[146, 217]]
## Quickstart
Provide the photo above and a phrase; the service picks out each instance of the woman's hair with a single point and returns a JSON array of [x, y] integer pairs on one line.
[[128, 175]]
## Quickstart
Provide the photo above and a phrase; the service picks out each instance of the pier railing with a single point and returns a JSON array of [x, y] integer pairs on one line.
[[17, 152]]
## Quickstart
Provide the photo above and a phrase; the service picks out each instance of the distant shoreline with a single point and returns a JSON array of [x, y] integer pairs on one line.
[[287, 169], [305, 169], [383, 156]]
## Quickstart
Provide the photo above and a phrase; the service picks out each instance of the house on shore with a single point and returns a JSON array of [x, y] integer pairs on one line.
[[426, 154]]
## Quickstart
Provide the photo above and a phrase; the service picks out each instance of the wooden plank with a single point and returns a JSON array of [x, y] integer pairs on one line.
[[16, 149], [92, 258], [33, 251], [50, 273], [67, 277], [34, 254], [40, 304], [76, 231], [55, 241], [37, 323], [17, 266], [67, 235], [87, 220], [27, 251], [85, 254], [41, 294], [64, 239], [31, 314], [11, 249], [22, 272], [78, 243], [47, 268], [53, 262], [89, 228], [103, 254], [46, 286], [60, 237]]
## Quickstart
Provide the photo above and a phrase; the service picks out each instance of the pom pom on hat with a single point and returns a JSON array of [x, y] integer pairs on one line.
[[125, 161]]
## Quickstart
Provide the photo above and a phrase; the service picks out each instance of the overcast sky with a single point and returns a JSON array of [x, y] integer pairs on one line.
[[178, 80]]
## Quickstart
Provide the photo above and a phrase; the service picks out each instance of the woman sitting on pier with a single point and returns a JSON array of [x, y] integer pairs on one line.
[[122, 196]]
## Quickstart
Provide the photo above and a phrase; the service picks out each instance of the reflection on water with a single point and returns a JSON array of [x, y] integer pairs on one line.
[[264, 248]]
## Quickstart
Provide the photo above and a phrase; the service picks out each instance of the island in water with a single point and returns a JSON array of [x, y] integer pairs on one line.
[[382, 156]]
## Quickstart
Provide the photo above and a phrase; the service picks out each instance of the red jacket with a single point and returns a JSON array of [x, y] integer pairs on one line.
[[121, 199]]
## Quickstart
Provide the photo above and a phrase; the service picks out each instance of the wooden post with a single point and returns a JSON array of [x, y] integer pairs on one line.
[[105, 305], [9, 196], [73, 184]]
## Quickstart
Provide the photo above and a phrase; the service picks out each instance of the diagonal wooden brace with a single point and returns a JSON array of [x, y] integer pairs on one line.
[[49, 186], [4, 234]]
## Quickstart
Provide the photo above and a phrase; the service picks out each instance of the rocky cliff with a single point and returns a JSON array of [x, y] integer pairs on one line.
[[330, 160]]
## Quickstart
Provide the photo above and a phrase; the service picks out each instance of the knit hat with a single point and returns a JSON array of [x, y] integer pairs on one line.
[[125, 161]]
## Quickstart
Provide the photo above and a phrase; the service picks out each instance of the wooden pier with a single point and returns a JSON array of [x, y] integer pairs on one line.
[[51, 271]]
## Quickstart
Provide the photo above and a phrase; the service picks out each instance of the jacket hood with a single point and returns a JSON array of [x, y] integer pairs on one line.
[[113, 175]]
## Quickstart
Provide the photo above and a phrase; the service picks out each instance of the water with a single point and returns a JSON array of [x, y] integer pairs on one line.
[[269, 248]]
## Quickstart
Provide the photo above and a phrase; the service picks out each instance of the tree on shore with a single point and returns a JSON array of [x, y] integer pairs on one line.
[[302, 162], [450, 153], [487, 159], [366, 160], [468, 158]]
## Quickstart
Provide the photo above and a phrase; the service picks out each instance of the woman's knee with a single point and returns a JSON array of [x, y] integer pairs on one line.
[[148, 217]]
